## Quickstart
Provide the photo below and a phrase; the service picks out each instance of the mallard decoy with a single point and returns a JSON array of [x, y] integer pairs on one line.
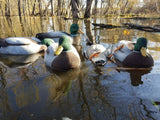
[[97, 54], [62, 56], [133, 54], [74, 30], [20, 46]]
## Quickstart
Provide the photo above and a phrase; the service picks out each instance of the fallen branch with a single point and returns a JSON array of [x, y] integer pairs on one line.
[[141, 27], [129, 26], [109, 26]]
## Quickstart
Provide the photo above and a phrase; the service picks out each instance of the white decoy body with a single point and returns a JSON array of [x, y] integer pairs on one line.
[[97, 54], [20, 46]]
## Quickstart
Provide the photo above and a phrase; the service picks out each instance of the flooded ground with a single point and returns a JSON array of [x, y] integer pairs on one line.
[[31, 91]]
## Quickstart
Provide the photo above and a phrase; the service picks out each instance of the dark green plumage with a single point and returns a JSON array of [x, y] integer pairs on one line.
[[141, 42], [47, 41], [65, 41], [74, 29]]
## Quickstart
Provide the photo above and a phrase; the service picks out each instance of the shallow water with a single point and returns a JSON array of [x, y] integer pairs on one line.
[[31, 91]]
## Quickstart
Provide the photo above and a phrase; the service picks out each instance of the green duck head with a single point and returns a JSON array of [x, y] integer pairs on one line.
[[141, 42], [75, 30], [65, 44], [47, 41]]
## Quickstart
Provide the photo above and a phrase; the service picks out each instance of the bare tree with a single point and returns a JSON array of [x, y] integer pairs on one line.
[[88, 9], [52, 8], [158, 5], [108, 6], [95, 6], [46, 8], [40, 7], [75, 11], [19, 8], [34, 7], [7, 8], [59, 8], [77, 8], [2, 5], [28, 2]]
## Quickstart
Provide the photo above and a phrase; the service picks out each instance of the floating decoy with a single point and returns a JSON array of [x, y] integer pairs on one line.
[[61, 56], [75, 32], [97, 54], [132, 54], [20, 46]]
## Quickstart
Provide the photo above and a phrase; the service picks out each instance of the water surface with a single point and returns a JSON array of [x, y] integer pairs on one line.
[[31, 91]]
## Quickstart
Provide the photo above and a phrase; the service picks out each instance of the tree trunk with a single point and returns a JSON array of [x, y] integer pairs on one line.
[[95, 7], [75, 10], [19, 8], [40, 7], [124, 7], [34, 6], [1, 8], [52, 8], [45, 11], [158, 5], [23, 5], [59, 8], [7, 8], [108, 6], [88, 9], [28, 2], [89, 33]]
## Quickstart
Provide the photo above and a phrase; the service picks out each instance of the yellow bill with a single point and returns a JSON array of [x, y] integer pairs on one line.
[[59, 50], [144, 52]]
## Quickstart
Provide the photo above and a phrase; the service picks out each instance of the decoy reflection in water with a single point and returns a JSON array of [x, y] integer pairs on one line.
[[21, 46], [60, 83], [18, 61], [131, 54], [136, 76], [75, 32]]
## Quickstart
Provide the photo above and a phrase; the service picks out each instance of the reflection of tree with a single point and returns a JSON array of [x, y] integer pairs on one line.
[[10, 24], [94, 96], [4, 105], [84, 96], [148, 112], [23, 91], [3, 70], [23, 94], [23, 73], [99, 88]]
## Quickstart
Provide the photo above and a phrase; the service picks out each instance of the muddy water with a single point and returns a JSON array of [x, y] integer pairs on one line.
[[31, 91]]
